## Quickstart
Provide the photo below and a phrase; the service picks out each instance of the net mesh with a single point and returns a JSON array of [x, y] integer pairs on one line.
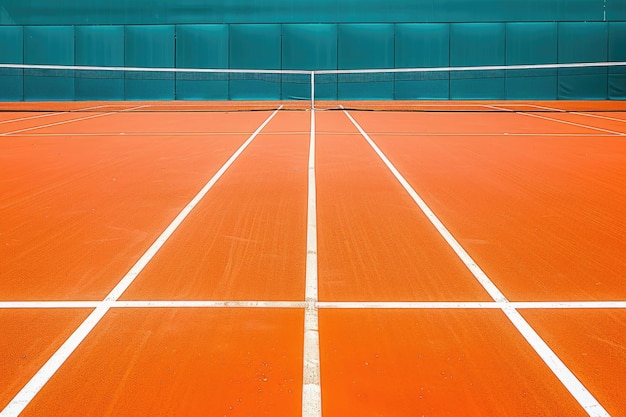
[[56, 88]]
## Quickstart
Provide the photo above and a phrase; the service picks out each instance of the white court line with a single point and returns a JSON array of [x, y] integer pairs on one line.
[[547, 108], [14, 305], [209, 304], [55, 124], [48, 304], [36, 383], [311, 389], [495, 107], [562, 372], [499, 134], [362, 305], [63, 122], [600, 117], [32, 117], [213, 133], [47, 114], [399, 134], [427, 134], [473, 305], [487, 284], [571, 123]]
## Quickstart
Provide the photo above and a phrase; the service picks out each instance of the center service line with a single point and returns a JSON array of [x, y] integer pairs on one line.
[[562, 372], [37, 382], [311, 390]]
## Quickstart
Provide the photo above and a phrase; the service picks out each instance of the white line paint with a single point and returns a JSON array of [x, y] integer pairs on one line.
[[311, 389], [56, 124], [567, 378], [143, 261], [498, 108], [78, 119], [547, 108], [410, 305], [428, 134], [30, 390], [48, 304], [152, 304], [167, 134], [489, 286], [192, 70], [565, 375], [447, 69], [398, 134], [597, 116], [91, 108], [417, 305], [209, 304], [473, 305], [571, 123], [39, 116]]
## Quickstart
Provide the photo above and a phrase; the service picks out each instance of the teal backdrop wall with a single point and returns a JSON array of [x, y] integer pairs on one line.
[[121, 12], [313, 35]]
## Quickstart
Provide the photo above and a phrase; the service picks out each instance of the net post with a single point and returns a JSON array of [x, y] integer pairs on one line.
[[312, 90]]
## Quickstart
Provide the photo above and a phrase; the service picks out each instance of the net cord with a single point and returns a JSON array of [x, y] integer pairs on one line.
[[473, 68], [314, 73], [318, 72], [312, 90], [154, 69]]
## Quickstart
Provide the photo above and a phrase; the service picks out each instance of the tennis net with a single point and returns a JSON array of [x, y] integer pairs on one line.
[[585, 86]]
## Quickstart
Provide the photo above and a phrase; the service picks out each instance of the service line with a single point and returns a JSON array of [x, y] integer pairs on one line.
[[354, 305]]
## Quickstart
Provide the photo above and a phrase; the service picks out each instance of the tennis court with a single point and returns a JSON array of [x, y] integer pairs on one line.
[[321, 208], [430, 258]]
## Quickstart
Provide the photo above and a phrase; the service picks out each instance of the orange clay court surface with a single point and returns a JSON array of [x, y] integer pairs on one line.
[[469, 262]]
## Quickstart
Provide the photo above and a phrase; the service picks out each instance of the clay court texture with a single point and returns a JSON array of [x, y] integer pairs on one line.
[[458, 259]]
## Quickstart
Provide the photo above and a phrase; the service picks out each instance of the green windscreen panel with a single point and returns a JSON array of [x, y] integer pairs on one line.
[[53, 45], [149, 46], [201, 46], [531, 43], [485, 11], [11, 52], [365, 46], [477, 44], [107, 12], [310, 47], [100, 46], [255, 46], [617, 53], [583, 42], [615, 10], [422, 45]]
